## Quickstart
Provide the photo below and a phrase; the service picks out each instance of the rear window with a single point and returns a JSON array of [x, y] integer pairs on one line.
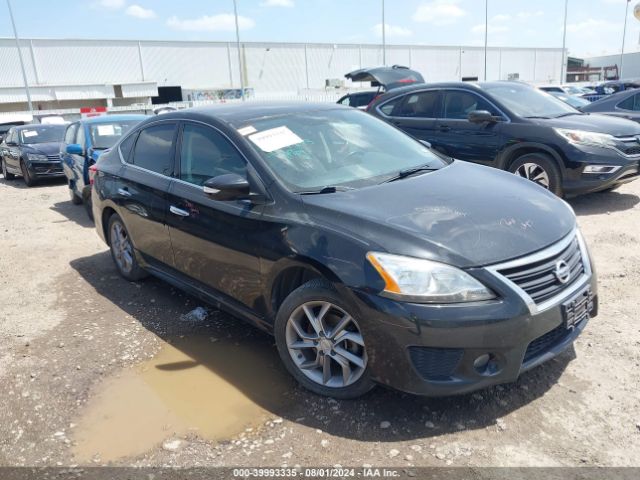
[[154, 149]]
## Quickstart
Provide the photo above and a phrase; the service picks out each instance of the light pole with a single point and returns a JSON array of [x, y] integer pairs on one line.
[[235, 12], [24, 73], [624, 34], [384, 40], [563, 71], [486, 35]]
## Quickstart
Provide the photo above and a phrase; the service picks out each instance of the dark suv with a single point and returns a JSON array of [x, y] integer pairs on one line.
[[518, 128], [370, 258]]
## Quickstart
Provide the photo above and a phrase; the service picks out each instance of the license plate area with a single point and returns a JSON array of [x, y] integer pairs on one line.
[[578, 308]]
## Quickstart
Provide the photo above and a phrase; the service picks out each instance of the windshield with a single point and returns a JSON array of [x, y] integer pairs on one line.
[[42, 134], [105, 135], [337, 148], [528, 102], [571, 100]]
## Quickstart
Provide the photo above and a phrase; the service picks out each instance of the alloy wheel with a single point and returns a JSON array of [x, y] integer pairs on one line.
[[122, 249], [535, 173], [326, 344]]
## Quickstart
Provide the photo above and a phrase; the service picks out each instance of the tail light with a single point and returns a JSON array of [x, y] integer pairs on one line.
[[93, 169], [371, 103]]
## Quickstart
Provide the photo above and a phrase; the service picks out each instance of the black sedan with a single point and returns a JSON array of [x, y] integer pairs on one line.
[[32, 151], [625, 104], [371, 259]]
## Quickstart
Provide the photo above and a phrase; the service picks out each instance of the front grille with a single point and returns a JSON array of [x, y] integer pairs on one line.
[[630, 145], [54, 157], [539, 279], [435, 363], [545, 342]]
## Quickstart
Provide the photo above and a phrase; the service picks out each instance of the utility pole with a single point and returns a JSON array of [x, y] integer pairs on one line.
[[486, 35], [563, 71], [384, 40], [24, 72], [235, 12], [624, 34]]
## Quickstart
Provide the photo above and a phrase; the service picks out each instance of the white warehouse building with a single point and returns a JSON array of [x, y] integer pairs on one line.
[[69, 74]]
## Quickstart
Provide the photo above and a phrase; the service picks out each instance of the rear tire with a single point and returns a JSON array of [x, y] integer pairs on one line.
[[335, 338], [541, 169], [5, 173], [29, 181], [122, 251]]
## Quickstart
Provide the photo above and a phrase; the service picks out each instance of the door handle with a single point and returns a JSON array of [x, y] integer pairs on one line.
[[124, 192], [178, 211], [444, 128]]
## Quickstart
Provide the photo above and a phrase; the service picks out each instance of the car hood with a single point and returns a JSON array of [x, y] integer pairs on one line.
[[618, 127], [387, 77], [51, 148], [464, 214]]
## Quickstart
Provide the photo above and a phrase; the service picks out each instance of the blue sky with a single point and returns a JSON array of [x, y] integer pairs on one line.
[[594, 26]]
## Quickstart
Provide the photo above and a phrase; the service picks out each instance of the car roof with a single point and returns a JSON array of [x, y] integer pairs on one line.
[[113, 118], [31, 126], [240, 113]]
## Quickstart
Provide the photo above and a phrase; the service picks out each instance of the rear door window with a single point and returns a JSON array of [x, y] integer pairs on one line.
[[458, 105], [154, 149], [630, 103], [419, 105]]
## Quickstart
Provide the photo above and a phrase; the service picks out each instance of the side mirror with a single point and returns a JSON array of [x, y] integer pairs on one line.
[[481, 116], [74, 149], [425, 143], [230, 186]]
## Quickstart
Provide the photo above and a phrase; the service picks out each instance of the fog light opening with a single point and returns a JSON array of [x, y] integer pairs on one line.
[[486, 364]]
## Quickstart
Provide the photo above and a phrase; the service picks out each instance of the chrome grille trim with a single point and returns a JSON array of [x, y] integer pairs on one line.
[[546, 254]]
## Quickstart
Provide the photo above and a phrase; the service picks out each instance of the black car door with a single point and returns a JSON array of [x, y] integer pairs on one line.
[[213, 241], [415, 113], [12, 156], [141, 190], [459, 138]]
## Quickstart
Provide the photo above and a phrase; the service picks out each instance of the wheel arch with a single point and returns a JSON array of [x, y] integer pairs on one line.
[[512, 153]]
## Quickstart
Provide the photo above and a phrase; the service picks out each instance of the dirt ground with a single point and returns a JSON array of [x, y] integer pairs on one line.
[[96, 370]]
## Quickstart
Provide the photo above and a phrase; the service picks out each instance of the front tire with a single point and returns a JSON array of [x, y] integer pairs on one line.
[[122, 250], [540, 169], [321, 343], [29, 181], [5, 173]]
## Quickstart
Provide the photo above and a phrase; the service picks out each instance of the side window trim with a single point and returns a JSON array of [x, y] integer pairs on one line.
[[178, 153], [443, 94], [173, 148]]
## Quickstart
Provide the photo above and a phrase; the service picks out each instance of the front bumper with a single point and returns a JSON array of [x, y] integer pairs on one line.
[[52, 168], [576, 182], [431, 349]]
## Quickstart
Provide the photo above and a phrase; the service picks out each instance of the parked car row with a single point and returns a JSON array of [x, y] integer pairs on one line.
[[378, 247]]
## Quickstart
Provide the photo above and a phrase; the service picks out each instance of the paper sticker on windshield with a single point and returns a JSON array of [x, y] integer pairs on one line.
[[275, 139], [29, 133], [249, 129], [106, 130]]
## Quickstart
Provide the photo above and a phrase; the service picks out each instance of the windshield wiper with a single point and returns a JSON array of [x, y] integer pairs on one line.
[[411, 171], [538, 116], [568, 114], [326, 189]]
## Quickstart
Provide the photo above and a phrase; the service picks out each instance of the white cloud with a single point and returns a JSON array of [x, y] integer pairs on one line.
[[492, 28], [592, 27], [526, 14], [439, 12], [210, 23], [140, 12], [277, 3], [114, 4], [391, 30], [500, 18]]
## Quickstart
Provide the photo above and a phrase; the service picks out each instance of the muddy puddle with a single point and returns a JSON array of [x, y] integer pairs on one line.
[[214, 389]]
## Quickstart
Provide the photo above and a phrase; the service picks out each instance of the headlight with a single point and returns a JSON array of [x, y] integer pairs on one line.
[[36, 157], [424, 281], [581, 137]]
